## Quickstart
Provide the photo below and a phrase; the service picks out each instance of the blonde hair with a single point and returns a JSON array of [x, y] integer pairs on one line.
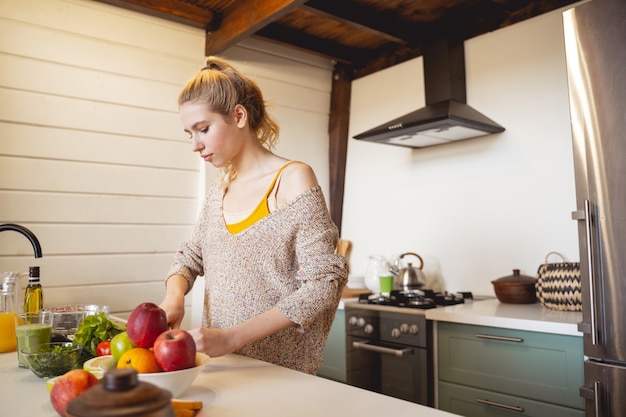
[[222, 87]]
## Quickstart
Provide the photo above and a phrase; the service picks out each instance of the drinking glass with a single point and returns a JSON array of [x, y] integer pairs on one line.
[[31, 330], [386, 284]]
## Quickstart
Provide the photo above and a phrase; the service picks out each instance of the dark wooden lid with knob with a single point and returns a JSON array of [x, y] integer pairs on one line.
[[121, 394]]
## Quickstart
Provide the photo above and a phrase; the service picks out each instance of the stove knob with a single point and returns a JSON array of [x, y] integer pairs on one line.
[[369, 329], [360, 322], [414, 329], [352, 321], [395, 333], [404, 328]]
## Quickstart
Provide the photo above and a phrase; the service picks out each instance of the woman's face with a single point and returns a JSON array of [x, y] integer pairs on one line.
[[218, 139]]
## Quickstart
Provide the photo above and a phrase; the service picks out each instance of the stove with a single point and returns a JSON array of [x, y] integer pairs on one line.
[[420, 299], [389, 342]]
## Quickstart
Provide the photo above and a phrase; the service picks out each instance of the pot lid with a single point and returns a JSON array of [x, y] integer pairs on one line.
[[516, 278], [120, 394]]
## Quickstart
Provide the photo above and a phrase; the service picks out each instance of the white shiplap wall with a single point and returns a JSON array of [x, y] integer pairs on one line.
[[92, 156]]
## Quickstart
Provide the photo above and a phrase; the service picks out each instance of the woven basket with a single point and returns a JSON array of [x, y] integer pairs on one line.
[[558, 285]]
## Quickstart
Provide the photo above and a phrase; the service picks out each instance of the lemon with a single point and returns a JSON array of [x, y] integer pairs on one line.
[[99, 363], [50, 382]]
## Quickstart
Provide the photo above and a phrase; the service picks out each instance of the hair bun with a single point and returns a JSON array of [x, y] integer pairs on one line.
[[212, 64]]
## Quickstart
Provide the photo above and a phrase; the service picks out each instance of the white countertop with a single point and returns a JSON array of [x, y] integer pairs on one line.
[[232, 386], [531, 317]]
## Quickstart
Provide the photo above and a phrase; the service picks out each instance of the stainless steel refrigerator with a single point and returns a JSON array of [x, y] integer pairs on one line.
[[595, 43]]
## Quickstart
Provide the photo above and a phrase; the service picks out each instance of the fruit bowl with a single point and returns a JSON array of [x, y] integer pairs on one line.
[[52, 359], [176, 382]]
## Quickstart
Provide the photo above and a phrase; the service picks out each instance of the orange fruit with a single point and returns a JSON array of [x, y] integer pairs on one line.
[[141, 359]]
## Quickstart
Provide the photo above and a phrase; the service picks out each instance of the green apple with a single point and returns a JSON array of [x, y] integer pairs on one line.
[[120, 343]]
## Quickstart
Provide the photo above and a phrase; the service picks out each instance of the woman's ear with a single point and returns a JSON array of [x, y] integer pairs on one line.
[[241, 116]]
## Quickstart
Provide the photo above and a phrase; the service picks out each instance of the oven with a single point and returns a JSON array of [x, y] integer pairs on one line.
[[389, 343], [389, 353]]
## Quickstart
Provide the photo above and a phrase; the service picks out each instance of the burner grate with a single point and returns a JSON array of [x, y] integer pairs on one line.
[[421, 299]]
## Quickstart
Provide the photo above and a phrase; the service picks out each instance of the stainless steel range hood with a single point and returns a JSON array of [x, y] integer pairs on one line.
[[447, 117]]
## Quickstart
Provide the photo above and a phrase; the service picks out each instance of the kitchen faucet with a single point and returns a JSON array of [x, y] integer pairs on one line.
[[30, 235]]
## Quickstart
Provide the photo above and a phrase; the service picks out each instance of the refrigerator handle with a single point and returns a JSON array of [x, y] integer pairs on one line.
[[592, 394], [592, 327]]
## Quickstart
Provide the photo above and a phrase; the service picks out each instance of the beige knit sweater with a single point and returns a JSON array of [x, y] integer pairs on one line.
[[286, 259]]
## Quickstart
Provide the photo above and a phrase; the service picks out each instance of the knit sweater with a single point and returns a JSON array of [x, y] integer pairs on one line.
[[286, 259]]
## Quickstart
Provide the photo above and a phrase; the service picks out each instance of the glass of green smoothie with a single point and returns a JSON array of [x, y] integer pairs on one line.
[[31, 330]]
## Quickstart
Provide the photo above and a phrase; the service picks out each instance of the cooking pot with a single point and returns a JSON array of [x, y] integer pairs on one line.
[[515, 289], [409, 277]]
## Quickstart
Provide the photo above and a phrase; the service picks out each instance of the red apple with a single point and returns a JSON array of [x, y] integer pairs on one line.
[[69, 386], [145, 323], [175, 350]]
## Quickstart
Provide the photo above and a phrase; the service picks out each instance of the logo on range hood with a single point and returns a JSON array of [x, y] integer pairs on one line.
[[446, 117]]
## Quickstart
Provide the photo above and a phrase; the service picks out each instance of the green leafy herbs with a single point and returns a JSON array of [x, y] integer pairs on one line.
[[95, 329], [53, 360]]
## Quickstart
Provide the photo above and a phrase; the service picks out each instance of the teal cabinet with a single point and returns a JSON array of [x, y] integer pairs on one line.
[[334, 366], [489, 371], [468, 401]]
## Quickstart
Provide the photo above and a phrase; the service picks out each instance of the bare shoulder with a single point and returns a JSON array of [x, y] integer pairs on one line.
[[296, 178]]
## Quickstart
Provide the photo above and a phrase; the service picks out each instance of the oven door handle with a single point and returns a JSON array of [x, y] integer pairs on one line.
[[380, 349]]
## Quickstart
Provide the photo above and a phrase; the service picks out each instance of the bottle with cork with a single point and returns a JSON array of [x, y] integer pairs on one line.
[[33, 295]]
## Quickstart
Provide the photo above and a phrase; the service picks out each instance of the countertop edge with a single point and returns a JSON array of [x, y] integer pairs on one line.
[[529, 317]]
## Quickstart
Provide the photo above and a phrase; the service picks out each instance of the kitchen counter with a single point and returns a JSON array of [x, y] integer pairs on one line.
[[235, 386], [531, 317]]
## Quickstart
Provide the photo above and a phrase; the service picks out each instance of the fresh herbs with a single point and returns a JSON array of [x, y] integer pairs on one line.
[[95, 329], [54, 359]]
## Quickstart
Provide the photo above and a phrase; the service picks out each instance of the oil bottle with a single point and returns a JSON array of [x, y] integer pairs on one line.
[[33, 295]]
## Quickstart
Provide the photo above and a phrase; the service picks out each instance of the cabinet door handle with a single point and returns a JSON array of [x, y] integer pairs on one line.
[[381, 349], [503, 338], [500, 405]]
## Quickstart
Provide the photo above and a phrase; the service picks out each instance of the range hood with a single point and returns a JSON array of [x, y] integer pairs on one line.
[[447, 117]]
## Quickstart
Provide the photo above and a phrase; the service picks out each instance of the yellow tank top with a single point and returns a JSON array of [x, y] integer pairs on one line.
[[261, 210]]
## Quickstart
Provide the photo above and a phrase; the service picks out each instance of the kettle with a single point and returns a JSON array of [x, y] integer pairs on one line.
[[409, 277]]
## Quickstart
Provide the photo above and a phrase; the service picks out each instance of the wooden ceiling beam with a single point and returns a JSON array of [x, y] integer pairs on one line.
[[309, 43], [243, 19], [360, 18], [172, 10]]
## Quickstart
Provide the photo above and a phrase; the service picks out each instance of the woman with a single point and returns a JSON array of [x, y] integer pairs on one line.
[[264, 240]]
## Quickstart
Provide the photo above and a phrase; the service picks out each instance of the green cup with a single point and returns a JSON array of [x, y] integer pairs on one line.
[[386, 283], [32, 329]]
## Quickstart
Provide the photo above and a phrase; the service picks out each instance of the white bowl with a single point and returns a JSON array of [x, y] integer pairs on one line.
[[177, 382]]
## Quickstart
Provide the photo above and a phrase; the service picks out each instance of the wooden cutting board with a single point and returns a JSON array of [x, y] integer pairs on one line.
[[354, 292]]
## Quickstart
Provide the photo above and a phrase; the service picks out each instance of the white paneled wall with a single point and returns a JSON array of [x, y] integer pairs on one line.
[[92, 156]]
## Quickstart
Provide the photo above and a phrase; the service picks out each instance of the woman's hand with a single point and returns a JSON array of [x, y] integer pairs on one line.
[[218, 342], [174, 302], [174, 311], [213, 342]]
